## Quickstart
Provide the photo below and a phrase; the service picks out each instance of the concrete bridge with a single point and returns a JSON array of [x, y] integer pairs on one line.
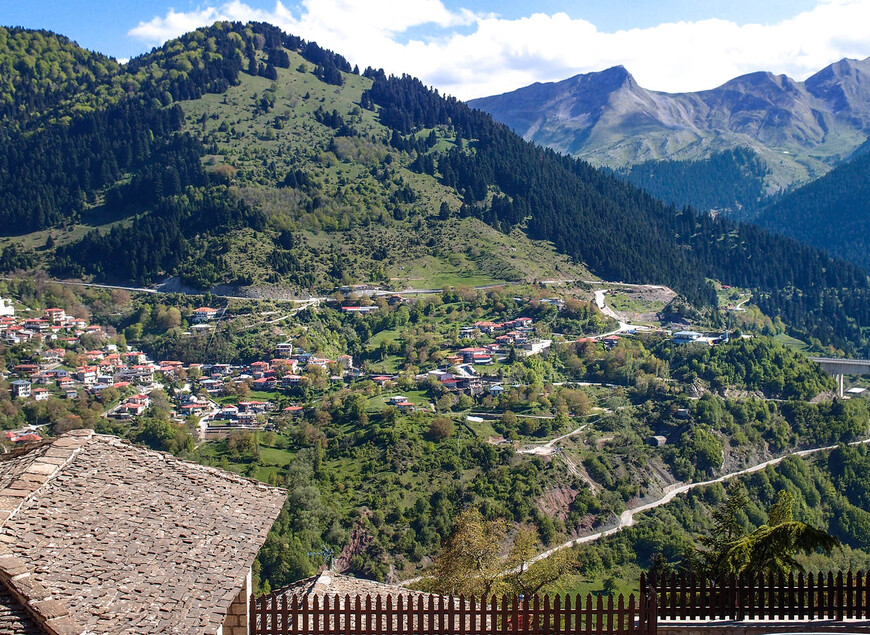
[[839, 367]]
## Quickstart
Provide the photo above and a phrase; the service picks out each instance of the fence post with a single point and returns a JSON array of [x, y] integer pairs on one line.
[[557, 614], [297, 621], [839, 596], [801, 593], [252, 614], [850, 590]]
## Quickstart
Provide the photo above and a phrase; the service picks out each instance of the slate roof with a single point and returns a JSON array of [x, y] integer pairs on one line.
[[100, 536], [14, 618], [333, 584]]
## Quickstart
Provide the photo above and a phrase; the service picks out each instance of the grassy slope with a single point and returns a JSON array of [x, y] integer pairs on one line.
[[459, 251], [357, 178]]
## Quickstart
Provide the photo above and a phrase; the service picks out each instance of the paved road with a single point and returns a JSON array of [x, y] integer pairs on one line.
[[626, 519], [158, 290]]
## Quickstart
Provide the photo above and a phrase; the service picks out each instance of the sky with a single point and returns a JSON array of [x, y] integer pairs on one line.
[[474, 48]]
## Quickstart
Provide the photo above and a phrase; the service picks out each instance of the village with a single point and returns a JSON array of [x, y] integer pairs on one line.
[[72, 358]]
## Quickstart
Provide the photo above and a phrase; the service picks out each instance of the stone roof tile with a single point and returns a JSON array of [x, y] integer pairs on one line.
[[120, 539]]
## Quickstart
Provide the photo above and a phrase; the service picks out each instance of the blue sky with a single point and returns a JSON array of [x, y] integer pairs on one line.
[[478, 47]]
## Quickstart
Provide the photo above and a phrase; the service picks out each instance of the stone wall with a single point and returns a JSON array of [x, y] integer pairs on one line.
[[237, 621]]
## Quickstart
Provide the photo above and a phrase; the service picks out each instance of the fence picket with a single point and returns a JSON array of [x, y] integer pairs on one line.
[[557, 614], [850, 589], [300, 615]]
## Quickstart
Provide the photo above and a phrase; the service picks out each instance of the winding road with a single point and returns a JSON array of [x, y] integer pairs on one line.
[[626, 519], [624, 327], [549, 447]]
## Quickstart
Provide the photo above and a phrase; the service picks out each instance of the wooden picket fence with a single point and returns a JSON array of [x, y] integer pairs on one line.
[[775, 597], [278, 614]]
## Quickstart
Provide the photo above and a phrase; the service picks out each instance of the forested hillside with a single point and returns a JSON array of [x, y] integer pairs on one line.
[[832, 213], [830, 492], [731, 181], [239, 154]]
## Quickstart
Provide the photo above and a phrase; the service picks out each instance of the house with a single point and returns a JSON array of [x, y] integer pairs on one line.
[[686, 337], [535, 347], [285, 349], [26, 369], [55, 316], [610, 341], [70, 393], [258, 369], [487, 327], [104, 537], [86, 374], [496, 390], [140, 399], [290, 380], [204, 314], [37, 325], [20, 388], [41, 394], [360, 309], [228, 413], [30, 437], [345, 361], [265, 383], [52, 355], [135, 357], [6, 307], [131, 409], [201, 329]]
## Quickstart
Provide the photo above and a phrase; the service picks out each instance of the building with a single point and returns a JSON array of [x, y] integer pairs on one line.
[[337, 586], [535, 347], [204, 314], [55, 316], [686, 337], [101, 536], [6, 307], [285, 349], [20, 388]]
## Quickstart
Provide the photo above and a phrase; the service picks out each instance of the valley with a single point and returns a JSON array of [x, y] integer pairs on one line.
[[243, 251]]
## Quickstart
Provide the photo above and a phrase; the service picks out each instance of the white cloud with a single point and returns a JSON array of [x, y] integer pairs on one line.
[[493, 55]]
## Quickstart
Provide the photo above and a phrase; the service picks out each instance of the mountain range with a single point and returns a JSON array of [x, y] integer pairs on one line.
[[799, 129], [244, 156]]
